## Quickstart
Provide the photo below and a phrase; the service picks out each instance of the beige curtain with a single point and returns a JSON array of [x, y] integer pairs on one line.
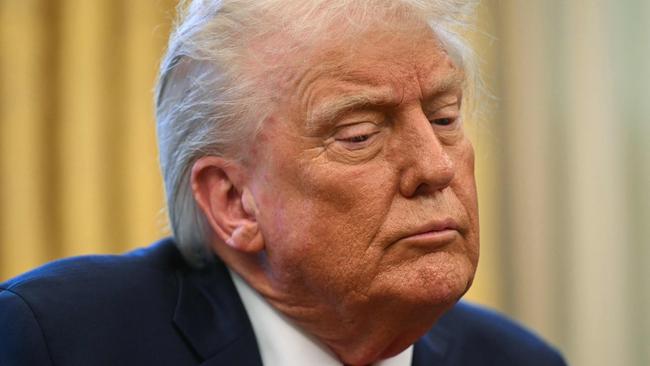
[[574, 122], [78, 170]]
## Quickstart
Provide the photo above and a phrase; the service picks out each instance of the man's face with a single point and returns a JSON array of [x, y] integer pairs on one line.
[[364, 178]]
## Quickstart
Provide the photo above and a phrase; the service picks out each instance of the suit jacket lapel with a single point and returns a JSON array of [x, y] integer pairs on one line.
[[212, 318]]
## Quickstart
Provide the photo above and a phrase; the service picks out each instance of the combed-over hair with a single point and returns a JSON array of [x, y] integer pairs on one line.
[[208, 99]]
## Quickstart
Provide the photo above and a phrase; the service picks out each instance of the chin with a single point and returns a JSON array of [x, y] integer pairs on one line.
[[438, 281]]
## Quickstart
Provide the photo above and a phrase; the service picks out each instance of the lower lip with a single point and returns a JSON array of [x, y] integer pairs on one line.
[[431, 238]]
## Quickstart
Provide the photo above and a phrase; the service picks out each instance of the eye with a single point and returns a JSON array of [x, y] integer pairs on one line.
[[356, 142], [443, 121], [444, 112], [357, 135], [359, 138]]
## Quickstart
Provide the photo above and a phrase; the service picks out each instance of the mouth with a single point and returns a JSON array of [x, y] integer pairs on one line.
[[433, 234]]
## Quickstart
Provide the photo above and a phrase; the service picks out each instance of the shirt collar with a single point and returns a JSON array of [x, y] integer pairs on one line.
[[282, 343]]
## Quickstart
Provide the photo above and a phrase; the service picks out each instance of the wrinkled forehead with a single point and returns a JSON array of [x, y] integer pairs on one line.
[[380, 69]]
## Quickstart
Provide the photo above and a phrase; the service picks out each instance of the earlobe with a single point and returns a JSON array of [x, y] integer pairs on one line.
[[227, 204], [246, 238]]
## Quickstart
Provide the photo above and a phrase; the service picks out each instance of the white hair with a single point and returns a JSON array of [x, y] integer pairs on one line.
[[209, 100]]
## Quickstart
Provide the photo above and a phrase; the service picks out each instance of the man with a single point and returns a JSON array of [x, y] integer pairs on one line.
[[321, 191]]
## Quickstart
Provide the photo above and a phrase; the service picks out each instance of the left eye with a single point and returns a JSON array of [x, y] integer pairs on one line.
[[360, 138], [443, 121]]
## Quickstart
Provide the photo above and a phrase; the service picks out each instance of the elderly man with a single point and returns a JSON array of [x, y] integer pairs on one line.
[[321, 191]]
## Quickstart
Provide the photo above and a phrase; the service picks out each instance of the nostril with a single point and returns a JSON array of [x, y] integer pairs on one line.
[[431, 186], [422, 190], [428, 175]]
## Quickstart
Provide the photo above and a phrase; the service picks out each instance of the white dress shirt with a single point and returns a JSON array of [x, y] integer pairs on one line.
[[282, 343]]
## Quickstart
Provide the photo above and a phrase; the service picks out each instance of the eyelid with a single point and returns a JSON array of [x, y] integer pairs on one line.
[[452, 121], [355, 129], [436, 107], [355, 136], [449, 110]]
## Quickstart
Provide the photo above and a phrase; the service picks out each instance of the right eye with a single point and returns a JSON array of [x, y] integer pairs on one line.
[[356, 136]]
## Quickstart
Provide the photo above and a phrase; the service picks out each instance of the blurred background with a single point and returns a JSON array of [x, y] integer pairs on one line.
[[563, 154]]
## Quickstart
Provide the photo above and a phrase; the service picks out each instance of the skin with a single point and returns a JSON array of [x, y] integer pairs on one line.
[[327, 217]]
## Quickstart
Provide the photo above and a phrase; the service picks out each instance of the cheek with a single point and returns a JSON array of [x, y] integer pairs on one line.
[[465, 188], [320, 219], [466, 179], [353, 199]]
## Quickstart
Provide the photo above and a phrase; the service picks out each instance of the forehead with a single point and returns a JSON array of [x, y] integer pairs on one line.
[[384, 65], [379, 59]]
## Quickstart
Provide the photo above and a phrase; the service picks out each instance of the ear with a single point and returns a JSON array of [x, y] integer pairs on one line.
[[227, 203]]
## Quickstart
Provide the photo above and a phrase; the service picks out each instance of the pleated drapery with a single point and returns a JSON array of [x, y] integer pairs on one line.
[[78, 161]]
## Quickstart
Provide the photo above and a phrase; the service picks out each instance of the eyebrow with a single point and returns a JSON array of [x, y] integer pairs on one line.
[[333, 109], [451, 82]]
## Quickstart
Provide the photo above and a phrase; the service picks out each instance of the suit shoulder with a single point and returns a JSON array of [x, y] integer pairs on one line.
[[493, 339], [75, 271], [88, 283], [21, 337], [119, 306]]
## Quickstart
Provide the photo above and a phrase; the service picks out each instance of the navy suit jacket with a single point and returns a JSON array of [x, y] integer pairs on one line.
[[148, 307]]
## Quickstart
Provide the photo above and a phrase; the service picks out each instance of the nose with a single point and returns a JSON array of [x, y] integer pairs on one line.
[[427, 166]]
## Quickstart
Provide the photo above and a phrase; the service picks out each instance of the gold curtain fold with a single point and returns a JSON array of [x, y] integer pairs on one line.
[[78, 161], [24, 221]]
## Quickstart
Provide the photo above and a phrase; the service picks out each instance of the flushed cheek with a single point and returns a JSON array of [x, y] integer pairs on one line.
[[465, 188], [325, 229], [360, 192], [345, 208], [319, 249]]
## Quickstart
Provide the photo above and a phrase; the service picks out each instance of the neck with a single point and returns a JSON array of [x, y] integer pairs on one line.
[[358, 330], [364, 333]]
